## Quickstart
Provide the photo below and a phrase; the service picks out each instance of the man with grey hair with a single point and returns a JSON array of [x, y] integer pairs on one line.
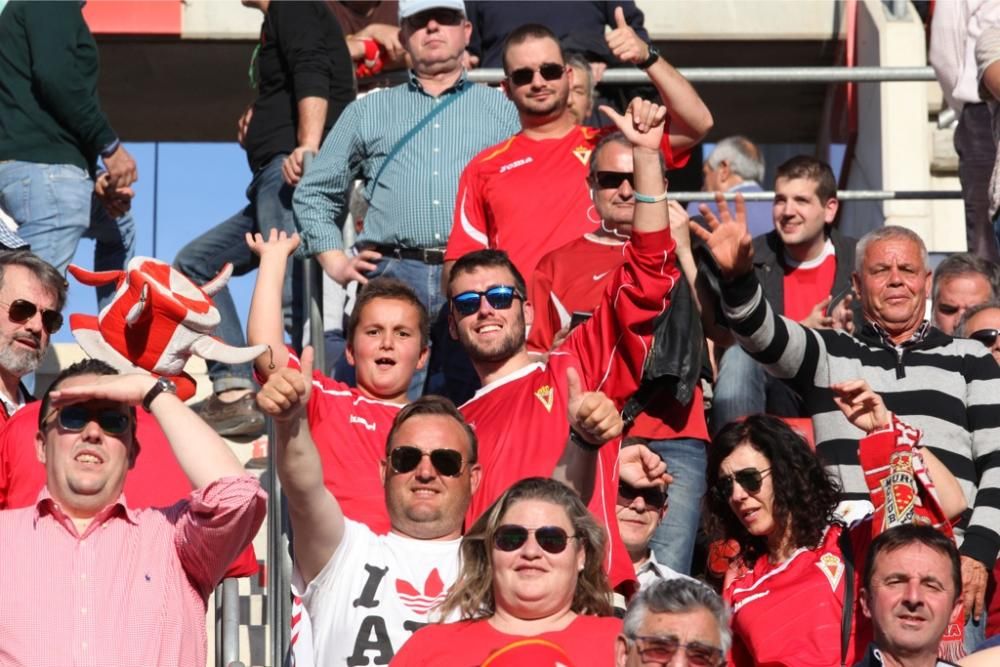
[[962, 280], [32, 296], [941, 385], [737, 165], [671, 616]]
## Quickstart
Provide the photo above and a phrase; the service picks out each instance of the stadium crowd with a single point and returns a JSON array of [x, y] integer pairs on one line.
[[575, 423]]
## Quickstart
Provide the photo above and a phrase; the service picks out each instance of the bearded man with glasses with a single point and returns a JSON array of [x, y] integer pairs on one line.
[[32, 296], [527, 195]]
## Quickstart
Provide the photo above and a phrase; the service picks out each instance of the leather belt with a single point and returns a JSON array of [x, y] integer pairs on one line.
[[425, 255]]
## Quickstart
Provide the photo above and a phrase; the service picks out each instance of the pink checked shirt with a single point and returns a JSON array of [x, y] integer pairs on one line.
[[131, 590]]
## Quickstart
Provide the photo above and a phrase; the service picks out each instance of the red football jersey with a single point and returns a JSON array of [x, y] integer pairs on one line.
[[350, 432], [572, 279], [808, 283], [528, 197], [156, 480], [521, 419]]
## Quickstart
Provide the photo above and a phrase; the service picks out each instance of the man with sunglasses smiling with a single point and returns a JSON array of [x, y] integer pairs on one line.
[[528, 194], [120, 585], [408, 144], [520, 413], [32, 296]]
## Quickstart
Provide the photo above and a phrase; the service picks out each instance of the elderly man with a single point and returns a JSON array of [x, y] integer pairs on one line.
[[32, 294], [961, 281], [119, 585], [408, 144], [673, 617], [737, 165], [912, 592], [944, 386]]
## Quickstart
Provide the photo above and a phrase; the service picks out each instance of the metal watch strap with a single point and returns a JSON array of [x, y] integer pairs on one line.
[[162, 385]]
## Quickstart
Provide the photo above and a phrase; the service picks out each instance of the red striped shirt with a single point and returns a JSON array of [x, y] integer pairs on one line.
[[131, 590]]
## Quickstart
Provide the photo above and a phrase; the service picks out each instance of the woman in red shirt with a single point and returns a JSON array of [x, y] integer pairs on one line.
[[531, 580], [771, 493]]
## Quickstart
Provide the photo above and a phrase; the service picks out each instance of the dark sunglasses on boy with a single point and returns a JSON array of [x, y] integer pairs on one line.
[[510, 537], [750, 479], [74, 418]]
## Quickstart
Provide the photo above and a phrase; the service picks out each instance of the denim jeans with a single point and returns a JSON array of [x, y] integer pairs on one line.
[[744, 387], [54, 206], [673, 541], [201, 260]]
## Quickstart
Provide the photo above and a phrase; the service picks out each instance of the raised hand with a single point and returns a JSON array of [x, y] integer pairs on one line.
[[277, 242], [285, 394], [727, 239], [842, 315], [817, 317], [129, 388], [624, 43], [642, 123], [861, 405], [640, 467], [592, 415]]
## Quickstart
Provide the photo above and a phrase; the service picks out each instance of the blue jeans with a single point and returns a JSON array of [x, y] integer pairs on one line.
[[54, 206], [744, 387], [201, 260], [673, 541]]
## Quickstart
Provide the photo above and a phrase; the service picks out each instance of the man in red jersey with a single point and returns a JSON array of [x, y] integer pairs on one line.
[[528, 195], [520, 413], [570, 281]]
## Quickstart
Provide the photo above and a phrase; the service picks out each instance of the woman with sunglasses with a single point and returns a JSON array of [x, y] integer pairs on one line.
[[771, 493], [531, 567]]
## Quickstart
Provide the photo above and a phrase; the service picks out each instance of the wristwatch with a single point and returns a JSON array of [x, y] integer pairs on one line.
[[654, 55], [162, 385]]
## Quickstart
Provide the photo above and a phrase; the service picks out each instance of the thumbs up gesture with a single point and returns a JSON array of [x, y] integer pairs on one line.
[[592, 415], [624, 43], [287, 391]]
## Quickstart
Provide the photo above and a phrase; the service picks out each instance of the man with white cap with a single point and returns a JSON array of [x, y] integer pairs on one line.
[[408, 144]]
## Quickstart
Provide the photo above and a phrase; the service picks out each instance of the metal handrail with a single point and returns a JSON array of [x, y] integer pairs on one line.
[[842, 195], [230, 626], [631, 75]]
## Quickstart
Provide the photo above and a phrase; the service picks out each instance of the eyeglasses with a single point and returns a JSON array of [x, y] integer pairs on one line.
[[21, 310], [525, 75], [499, 297], [612, 180], [551, 539], [441, 16], [447, 462], [654, 497], [985, 336], [661, 650], [749, 478], [74, 418]]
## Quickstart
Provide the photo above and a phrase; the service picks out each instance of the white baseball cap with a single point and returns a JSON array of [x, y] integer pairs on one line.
[[408, 8]]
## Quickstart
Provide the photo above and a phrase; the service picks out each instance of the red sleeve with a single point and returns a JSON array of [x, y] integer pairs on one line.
[[547, 322], [22, 475], [468, 231], [613, 344]]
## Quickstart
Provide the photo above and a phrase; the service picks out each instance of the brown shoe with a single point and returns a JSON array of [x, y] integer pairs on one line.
[[238, 418]]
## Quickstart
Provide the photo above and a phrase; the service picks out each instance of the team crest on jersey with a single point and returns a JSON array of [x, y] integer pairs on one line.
[[900, 499], [832, 567], [582, 154], [545, 395]]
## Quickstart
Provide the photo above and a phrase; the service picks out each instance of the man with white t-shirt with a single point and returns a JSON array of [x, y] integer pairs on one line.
[[804, 266]]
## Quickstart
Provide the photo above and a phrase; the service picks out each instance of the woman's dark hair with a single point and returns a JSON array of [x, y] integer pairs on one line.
[[805, 495]]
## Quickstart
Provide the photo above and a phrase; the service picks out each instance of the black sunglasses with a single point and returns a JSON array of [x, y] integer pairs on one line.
[[447, 462], [499, 297], [441, 16], [21, 310], [654, 498], [985, 336], [74, 418], [661, 650], [612, 180], [510, 537], [750, 479], [525, 75]]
